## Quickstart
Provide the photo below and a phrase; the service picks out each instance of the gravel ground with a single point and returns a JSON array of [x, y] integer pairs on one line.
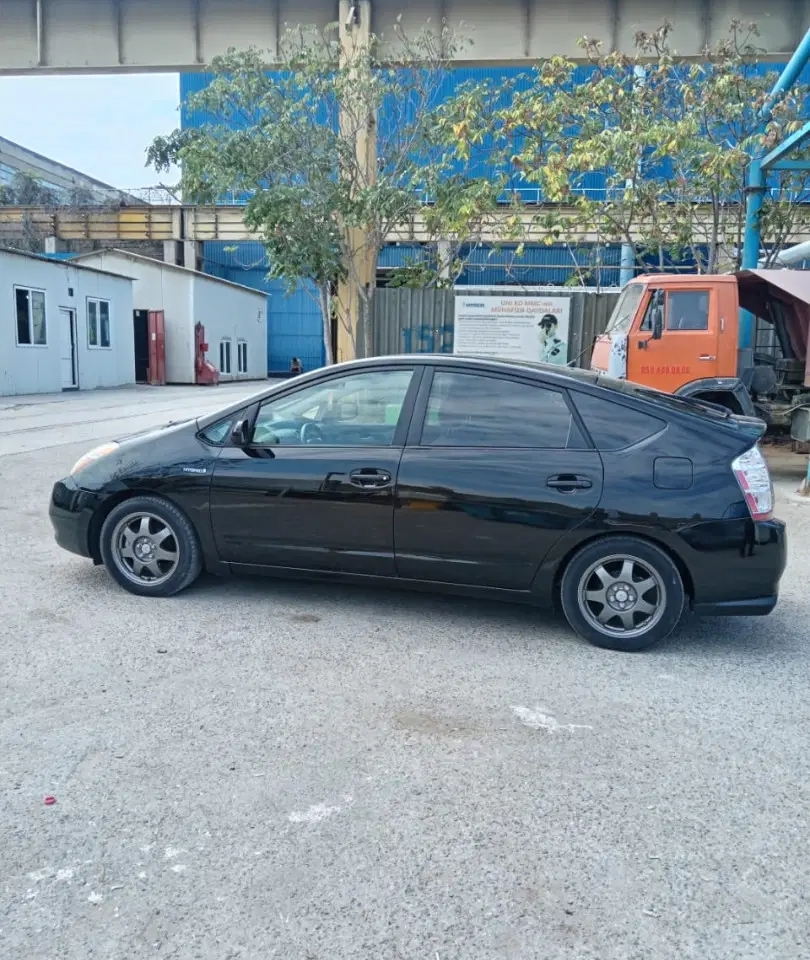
[[259, 769]]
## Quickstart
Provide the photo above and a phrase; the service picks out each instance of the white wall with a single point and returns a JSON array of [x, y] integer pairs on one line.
[[159, 287], [230, 311], [111, 366], [26, 369], [186, 298]]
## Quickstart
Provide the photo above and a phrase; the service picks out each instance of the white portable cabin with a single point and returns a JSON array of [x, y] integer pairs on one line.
[[234, 317], [63, 326]]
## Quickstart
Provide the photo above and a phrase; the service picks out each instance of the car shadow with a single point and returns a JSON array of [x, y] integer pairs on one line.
[[777, 635], [302, 602], [753, 637]]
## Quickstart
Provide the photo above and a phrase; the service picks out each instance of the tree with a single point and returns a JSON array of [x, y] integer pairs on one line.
[[672, 139], [331, 149]]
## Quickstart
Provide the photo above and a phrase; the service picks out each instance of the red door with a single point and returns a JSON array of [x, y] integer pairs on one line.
[[157, 348]]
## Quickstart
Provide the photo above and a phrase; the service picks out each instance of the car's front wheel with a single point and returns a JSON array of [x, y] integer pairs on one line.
[[150, 547], [622, 593]]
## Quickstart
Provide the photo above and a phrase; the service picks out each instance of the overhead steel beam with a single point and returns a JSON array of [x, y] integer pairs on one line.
[[199, 224], [101, 36]]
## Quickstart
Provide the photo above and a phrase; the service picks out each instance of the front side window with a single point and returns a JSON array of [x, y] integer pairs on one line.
[[688, 310], [361, 409], [225, 356], [471, 410], [98, 323], [684, 310], [32, 330]]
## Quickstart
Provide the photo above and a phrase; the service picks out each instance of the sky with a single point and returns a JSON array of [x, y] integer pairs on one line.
[[99, 125]]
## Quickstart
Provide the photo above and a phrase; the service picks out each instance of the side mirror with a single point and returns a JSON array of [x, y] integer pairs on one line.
[[239, 433], [658, 322]]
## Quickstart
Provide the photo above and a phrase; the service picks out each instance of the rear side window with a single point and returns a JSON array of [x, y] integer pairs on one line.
[[613, 426], [470, 410]]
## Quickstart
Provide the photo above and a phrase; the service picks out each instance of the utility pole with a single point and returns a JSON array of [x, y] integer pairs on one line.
[[354, 28]]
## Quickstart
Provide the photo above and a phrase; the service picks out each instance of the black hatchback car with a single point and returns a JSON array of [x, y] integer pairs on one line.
[[623, 506]]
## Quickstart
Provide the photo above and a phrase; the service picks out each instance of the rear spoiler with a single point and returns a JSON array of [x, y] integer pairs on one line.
[[754, 424]]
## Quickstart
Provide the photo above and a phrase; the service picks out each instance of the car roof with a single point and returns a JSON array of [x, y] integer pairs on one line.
[[551, 374]]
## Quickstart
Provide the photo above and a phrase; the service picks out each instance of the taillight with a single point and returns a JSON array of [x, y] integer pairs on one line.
[[752, 474]]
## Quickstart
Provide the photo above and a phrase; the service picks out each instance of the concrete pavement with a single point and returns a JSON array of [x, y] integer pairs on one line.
[[260, 769]]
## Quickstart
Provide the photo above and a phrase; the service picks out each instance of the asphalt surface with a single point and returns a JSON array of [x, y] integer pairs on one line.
[[258, 769]]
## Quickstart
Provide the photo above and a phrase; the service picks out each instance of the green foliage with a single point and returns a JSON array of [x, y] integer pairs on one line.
[[673, 137], [297, 134]]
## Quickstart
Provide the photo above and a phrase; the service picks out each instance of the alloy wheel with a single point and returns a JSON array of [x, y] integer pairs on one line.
[[622, 596], [145, 548]]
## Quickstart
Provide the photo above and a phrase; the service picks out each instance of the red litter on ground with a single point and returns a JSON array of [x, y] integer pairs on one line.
[[50, 801]]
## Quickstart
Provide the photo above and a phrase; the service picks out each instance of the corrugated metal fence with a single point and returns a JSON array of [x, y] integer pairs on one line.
[[422, 321]]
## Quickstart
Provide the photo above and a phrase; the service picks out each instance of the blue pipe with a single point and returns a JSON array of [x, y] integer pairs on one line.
[[788, 77], [628, 260], [755, 181], [754, 198], [627, 265]]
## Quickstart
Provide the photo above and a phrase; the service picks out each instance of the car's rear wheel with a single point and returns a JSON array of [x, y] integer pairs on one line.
[[622, 593], [150, 547]]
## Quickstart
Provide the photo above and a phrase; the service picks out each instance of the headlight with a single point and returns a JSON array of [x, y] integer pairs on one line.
[[96, 454]]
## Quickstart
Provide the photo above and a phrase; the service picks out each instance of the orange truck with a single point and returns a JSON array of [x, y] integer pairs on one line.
[[680, 335]]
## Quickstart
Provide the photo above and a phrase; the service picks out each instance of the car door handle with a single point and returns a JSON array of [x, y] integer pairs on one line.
[[568, 482], [705, 356], [368, 477]]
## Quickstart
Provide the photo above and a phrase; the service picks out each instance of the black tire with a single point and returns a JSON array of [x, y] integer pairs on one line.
[[614, 568], [167, 545]]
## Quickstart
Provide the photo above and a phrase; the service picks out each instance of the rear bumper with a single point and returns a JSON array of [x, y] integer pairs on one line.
[[736, 566], [70, 517], [759, 607]]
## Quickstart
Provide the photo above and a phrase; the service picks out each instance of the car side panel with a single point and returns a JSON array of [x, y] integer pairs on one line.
[[678, 490], [176, 465], [487, 517]]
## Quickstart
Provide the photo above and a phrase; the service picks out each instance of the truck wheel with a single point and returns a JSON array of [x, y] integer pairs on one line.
[[622, 593]]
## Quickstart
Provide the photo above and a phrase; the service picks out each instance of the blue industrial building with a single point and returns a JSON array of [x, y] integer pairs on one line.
[[295, 327]]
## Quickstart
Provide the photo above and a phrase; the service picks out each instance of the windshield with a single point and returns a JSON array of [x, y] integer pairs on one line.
[[625, 309]]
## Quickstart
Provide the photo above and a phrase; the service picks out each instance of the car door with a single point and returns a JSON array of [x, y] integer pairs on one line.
[[689, 346], [314, 487], [495, 471]]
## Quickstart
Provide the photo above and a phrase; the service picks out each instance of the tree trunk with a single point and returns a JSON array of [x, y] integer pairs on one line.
[[325, 303], [365, 317]]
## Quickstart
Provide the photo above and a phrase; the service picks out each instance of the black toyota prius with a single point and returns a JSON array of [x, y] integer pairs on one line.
[[624, 507]]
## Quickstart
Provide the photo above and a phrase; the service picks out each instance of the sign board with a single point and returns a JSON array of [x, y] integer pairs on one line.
[[513, 328]]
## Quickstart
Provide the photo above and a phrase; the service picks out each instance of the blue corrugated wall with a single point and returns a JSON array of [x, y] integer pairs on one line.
[[294, 327]]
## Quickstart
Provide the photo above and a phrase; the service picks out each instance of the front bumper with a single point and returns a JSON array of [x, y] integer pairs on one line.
[[71, 512]]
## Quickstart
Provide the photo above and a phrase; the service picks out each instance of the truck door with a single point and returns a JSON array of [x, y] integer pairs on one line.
[[688, 348]]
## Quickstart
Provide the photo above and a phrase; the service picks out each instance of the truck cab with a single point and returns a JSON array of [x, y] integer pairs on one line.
[[680, 335]]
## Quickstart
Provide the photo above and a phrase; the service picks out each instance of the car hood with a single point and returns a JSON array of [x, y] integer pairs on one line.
[[155, 431]]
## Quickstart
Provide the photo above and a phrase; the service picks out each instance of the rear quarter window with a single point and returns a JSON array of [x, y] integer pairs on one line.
[[613, 426]]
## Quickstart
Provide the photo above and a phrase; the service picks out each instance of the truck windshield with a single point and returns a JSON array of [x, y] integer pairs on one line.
[[625, 309]]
